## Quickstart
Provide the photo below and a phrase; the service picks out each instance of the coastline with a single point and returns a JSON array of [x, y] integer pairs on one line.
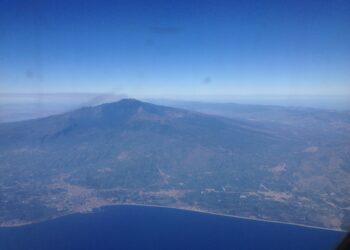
[[228, 215], [194, 210]]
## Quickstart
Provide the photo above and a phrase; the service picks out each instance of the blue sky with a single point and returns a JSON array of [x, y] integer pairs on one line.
[[176, 49]]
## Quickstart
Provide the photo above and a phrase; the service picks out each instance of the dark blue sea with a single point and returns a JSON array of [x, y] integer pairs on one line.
[[140, 227]]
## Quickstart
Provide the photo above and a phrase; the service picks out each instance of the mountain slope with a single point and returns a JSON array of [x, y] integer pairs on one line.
[[137, 152]]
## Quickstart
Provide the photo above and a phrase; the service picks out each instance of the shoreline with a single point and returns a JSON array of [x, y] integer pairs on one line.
[[94, 210], [226, 215]]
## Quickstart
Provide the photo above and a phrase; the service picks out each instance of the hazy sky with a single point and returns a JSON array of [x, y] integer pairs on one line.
[[176, 48]]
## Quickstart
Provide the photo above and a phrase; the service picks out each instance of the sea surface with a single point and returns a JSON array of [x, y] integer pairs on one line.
[[142, 227]]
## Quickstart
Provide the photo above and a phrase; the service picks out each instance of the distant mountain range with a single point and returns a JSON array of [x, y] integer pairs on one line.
[[258, 162]]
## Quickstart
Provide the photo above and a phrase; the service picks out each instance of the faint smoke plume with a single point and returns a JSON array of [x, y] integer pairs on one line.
[[103, 98]]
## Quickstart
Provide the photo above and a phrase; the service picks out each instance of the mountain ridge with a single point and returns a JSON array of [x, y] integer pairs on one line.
[[136, 152]]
